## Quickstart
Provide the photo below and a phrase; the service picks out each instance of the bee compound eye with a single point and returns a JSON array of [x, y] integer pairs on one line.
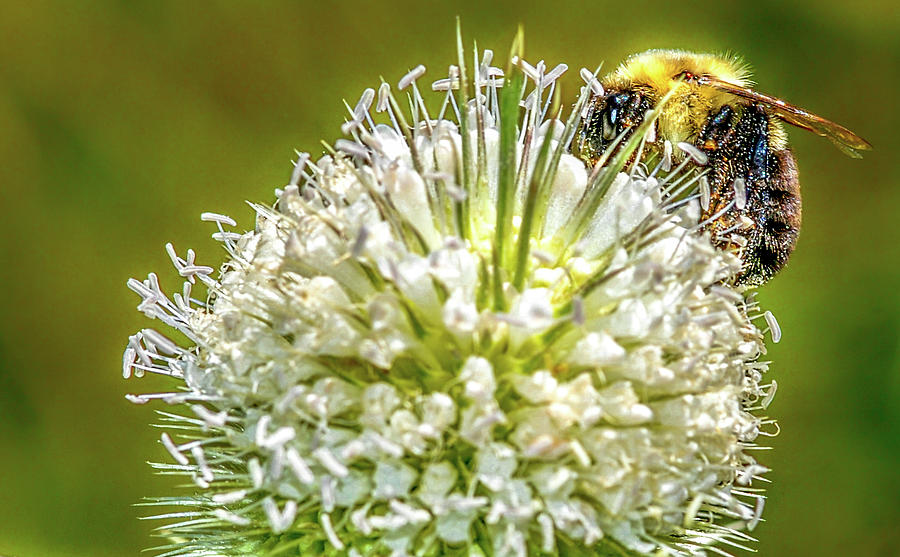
[[618, 99], [612, 114]]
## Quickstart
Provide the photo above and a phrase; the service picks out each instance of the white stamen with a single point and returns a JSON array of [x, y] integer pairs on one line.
[[387, 522], [757, 513], [411, 76], [226, 236], [581, 455], [364, 104], [726, 293], [770, 394], [325, 520], [211, 419], [173, 450], [139, 287], [189, 270], [740, 193], [384, 95], [135, 342], [231, 518], [279, 520], [352, 450], [586, 108], [486, 58], [300, 467], [328, 491], [667, 156], [445, 84], [229, 497], [704, 193], [410, 513], [468, 503], [327, 459], [161, 341], [349, 126], [592, 532], [555, 73], [690, 514], [745, 476], [200, 459], [168, 398], [710, 319], [591, 80], [276, 463], [299, 167], [256, 472], [352, 148], [529, 70], [650, 136], [774, 327], [737, 240], [128, 360], [388, 447], [189, 445], [358, 519], [548, 538], [261, 426], [281, 436], [173, 255], [216, 217], [692, 151]]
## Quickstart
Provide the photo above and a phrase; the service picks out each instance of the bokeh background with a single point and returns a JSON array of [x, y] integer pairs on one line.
[[120, 122]]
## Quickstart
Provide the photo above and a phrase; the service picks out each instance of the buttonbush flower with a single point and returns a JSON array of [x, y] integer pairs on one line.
[[448, 336]]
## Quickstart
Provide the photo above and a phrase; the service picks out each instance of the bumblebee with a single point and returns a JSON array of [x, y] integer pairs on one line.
[[753, 196]]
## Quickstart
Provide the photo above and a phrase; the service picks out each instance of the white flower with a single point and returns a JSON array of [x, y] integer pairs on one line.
[[450, 333]]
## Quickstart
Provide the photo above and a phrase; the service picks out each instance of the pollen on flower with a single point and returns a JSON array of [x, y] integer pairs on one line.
[[376, 370]]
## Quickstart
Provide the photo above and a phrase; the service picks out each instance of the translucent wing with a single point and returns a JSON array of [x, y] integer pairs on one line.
[[844, 139]]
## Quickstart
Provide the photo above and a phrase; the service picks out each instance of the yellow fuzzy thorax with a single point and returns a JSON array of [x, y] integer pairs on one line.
[[657, 68], [656, 72]]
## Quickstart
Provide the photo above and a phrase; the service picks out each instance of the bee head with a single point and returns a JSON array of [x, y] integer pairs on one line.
[[607, 120]]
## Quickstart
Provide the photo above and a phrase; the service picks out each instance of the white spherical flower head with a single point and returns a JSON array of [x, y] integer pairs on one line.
[[448, 336]]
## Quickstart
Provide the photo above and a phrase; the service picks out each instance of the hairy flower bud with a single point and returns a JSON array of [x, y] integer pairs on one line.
[[450, 336]]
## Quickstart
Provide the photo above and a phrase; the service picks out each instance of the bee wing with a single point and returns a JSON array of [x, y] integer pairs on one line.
[[844, 139]]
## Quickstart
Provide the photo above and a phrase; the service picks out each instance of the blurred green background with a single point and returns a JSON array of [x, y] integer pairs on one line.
[[120, 122]]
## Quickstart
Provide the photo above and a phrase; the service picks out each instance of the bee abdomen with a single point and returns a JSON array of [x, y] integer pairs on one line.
[[768, 220], [777, 216]]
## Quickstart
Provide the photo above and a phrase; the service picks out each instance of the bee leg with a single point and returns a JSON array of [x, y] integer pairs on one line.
[[717, 140], [589, 143], [616, 106], [716, 130], [633, 111], [759, 159]]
